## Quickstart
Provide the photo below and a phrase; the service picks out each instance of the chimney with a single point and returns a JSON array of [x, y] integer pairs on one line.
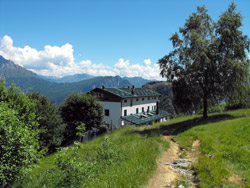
[[133, 89], [157, 107], [103, 86]]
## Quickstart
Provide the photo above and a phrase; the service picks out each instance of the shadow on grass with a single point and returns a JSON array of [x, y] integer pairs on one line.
[[177, 128]]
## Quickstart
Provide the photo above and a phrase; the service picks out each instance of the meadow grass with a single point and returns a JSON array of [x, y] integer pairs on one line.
[[225, 149], [136, 166], [224, 160]]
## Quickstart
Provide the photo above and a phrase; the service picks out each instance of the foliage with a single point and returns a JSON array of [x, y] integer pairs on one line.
[[51, 125], [122, 158], [18, 146], [72, 169], [18, 101], [209, 60], [80, 130], [78, 109], [214, 109]]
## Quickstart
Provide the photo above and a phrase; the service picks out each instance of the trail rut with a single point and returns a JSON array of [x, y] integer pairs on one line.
[[164, 174], [170, 168]]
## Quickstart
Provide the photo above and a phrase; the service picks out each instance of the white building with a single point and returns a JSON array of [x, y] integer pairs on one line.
[[130, 106]]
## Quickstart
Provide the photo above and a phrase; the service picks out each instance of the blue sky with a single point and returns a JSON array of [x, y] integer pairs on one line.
[[101, 37]]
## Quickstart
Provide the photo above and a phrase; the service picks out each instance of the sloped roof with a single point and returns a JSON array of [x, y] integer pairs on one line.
[[141, 118], [131, 92]]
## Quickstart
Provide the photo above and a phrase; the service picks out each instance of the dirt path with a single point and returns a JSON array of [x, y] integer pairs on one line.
[[171, 168], [164, 174]]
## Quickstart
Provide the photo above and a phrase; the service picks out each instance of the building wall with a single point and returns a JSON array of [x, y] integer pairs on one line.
[[116, 109], [114, 113], [138, 104]]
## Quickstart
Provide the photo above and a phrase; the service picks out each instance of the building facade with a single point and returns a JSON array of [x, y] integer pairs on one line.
[[130, 106]]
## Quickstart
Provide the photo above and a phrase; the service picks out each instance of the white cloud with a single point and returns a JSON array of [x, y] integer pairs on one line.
[[147, 62], [123, 68], [59, 61]]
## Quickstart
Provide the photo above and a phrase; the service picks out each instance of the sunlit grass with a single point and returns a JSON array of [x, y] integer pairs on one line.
[[224, 136], [228, 142], [134, 170]]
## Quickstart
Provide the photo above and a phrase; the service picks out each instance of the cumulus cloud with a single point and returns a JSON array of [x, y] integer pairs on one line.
[[59, 61], [123, 68], [147, 62]]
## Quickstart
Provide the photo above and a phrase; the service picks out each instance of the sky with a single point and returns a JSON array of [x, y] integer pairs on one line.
[[98, 37]]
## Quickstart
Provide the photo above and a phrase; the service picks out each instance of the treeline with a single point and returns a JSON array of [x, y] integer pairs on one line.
[[31, 126]]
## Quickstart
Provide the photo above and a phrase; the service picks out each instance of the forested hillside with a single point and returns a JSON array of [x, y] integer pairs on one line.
[[57, 92]]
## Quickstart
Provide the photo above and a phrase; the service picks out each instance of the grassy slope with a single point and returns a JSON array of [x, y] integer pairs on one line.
[[228, 144], [134, 170], [225, 136]]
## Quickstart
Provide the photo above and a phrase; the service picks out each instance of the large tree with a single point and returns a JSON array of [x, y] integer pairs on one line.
[[209, 61], [51, 127], [78, 109]]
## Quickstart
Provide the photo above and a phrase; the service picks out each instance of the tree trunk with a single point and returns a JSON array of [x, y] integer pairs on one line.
[[205, 106]]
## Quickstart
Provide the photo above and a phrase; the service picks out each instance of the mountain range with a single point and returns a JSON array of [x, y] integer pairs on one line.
[[58, 89], [67, 79]]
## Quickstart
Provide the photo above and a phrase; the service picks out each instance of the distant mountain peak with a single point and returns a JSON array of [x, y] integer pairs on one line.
[[9, 69]]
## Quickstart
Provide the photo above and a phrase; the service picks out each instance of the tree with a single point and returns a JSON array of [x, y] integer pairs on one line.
[[18, 101], [207, 60], [18, 140], [232, 47], [78, 109], [51, 125]]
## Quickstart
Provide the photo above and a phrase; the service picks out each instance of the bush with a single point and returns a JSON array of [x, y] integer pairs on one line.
[[73, 169], [18, 146], [214, 109]]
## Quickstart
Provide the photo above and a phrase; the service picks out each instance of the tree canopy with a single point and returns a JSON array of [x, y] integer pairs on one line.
[[51, 127], [209, 61], [78, 109], [18, 141]]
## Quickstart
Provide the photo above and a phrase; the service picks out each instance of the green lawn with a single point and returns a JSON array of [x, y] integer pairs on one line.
[[224, 137]]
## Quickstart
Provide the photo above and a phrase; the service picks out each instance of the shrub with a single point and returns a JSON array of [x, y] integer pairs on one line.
[[18, 146], [72, 169]]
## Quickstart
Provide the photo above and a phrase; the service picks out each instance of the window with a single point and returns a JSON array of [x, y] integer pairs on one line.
[[131, 102], [142, 99], [148, 109], [106, 112], [142, 109], [148, 98], [137, 99], [152, 107], [155, 107], [125, 101], [125, 112], [137, 110]]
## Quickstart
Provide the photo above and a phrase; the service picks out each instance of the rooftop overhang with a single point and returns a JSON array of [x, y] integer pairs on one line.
[[144, 118]]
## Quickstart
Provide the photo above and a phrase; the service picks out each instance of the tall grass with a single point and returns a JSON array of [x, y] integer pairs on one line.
[[135, 167], [225, 152]]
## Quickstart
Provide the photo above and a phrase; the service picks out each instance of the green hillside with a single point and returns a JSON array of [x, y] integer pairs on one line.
[[224, 153]]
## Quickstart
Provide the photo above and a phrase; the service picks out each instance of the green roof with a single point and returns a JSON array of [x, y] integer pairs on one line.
[[131, 92], [141, 118]]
